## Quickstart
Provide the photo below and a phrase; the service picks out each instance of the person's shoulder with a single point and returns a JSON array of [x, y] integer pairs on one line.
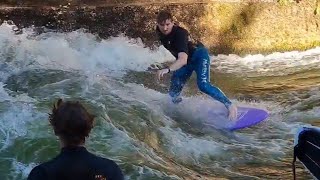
[[180, 29], [100, 159], [108, 161], [111, 167], [38, 168], [37, 172], [180, 32]]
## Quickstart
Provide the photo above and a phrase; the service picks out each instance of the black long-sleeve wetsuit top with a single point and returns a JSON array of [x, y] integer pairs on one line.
[[77, 163]]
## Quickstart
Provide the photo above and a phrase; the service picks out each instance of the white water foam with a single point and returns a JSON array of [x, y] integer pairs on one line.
[[18, 111], [269, 65], [189, 148], [75, 51], [21, 168], [14, 121], [79, 50]]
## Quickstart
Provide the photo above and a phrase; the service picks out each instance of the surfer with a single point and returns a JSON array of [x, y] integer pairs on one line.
[[72, 124], [190, 56]]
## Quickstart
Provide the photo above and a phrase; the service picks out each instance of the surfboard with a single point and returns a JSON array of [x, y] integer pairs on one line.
[[307, 150], [247, 117]]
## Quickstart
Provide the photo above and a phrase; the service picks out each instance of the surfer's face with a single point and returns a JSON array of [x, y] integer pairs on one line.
[[165, 27]]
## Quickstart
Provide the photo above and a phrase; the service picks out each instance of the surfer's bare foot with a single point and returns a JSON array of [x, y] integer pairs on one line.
[[233, 111]]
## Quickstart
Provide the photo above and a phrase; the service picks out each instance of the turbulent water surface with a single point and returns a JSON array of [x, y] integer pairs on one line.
[[136, 125]]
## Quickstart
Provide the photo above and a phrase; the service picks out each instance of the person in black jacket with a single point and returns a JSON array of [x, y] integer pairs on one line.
[[190, 56], [72, 124]]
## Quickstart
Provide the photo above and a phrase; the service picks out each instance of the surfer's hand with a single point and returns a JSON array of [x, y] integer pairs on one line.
[[233, 111], [161, 72]]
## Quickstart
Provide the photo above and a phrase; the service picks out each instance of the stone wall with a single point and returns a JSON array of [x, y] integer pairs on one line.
[[224, 26]]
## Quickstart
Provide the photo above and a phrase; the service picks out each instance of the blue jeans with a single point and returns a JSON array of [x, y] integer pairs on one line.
[[200, 63]]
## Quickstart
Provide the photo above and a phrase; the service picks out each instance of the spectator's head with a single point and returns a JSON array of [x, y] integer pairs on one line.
[[165, 22], [71, 122]]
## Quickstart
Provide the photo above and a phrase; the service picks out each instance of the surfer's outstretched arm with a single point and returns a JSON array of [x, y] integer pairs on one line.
[[180, 62]]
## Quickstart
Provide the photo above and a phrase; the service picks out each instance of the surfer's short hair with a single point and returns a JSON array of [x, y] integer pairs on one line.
[[71, 122], [163, 16]]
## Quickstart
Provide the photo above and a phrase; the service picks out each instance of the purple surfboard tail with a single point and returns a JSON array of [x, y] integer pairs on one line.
[[246, 117]]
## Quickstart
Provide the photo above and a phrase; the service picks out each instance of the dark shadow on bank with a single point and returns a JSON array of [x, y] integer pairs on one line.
[[105, 22]]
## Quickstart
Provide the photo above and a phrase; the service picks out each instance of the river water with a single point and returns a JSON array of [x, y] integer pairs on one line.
[[136, 125]]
